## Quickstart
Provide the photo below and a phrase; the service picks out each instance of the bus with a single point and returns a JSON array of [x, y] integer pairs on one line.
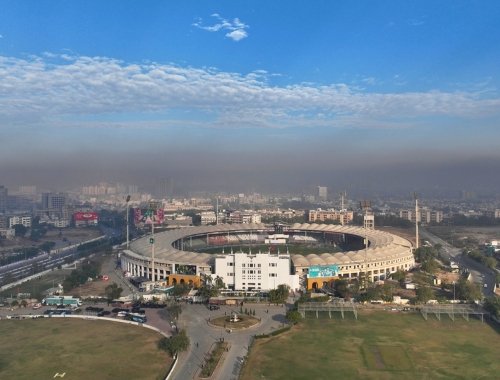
[[62, 301]]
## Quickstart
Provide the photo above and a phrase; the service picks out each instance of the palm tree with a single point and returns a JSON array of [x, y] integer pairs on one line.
[[219, 283], [208, 279]]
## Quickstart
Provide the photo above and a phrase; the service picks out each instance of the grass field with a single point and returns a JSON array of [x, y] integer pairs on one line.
[[40, 348], [297, 249], [378, 345]]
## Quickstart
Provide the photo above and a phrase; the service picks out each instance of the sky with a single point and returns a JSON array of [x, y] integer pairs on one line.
[[253, 95]]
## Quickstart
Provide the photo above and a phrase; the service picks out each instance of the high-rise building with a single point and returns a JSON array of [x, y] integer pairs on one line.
[[164, 188], [54, 204], [322, 193], [52, 201], [3, 199]]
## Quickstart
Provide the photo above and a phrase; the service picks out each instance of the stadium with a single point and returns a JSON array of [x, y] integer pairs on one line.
[[258, 257]]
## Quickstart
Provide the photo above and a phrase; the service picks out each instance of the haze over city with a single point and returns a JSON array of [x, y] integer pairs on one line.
[[385, 96]]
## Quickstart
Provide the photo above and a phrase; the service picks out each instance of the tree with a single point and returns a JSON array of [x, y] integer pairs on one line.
[[209, 291], [373, 293], [387, 292], [47, 246], [20, 229], [492, 305], [219, 283], [113, 291], [341, 288], [490, 262], [293, 316], [430, 265], [424, 294], [465, 290], [279, 295], [399, 275], [174, 344], [174, 310], [179, 290]]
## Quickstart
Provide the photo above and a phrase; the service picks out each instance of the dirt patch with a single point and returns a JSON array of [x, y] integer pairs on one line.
[[377, 356], [92, 288]]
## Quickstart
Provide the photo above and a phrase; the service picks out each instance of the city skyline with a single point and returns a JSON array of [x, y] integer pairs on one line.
[[251, 96]]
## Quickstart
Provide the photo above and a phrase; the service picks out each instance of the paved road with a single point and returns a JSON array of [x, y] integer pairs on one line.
[[194, 319], [480, 273]]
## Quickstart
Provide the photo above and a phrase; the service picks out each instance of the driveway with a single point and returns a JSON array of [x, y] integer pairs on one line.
[[194, 319]]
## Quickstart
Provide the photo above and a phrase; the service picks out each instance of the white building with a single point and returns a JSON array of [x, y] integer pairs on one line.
[[259, 271], [424, 215], [242, 217], [56, 222], [8, 233], [322, 193], [208, 217], [24, 220]]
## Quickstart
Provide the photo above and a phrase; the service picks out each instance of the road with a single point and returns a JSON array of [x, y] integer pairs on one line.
[[480, 273], [194, 319], [25, 268]]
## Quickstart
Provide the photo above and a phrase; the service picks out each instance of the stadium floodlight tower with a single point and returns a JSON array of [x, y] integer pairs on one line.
[[366, 207], [416, 220], [128, 221], [150, 216]]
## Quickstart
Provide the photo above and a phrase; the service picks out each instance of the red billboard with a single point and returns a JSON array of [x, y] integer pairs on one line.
[[85, 216]]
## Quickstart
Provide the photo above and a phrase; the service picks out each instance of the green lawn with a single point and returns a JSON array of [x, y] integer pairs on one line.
[[297, 249], [379, 345], [40, 348]]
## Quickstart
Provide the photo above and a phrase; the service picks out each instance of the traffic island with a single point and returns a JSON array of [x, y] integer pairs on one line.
[[212, 359]]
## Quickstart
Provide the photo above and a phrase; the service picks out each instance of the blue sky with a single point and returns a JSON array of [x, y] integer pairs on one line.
[[346, 82]]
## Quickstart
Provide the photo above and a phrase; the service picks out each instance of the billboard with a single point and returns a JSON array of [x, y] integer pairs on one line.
[[323, 271], [149, 216], [85, 216]]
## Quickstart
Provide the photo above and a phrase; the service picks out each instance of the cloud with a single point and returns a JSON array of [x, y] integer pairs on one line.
[[236, 29], [416, 22], [237, 35], [79, 91]]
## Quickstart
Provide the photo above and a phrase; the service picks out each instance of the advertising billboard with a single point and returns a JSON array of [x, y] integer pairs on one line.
[[85, 216], [323, 271], [149, 216]]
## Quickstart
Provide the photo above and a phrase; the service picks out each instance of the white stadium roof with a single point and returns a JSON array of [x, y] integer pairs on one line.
[[383, 245]]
